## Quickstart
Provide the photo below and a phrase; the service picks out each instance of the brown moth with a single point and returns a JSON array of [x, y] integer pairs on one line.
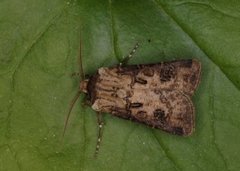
[[157, 95]]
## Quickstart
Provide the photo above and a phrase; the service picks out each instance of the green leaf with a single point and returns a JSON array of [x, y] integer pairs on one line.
[[39, 47]]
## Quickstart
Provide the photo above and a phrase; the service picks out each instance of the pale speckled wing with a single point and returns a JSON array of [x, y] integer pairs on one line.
[[182, 75], [155, 94], [171, 111]]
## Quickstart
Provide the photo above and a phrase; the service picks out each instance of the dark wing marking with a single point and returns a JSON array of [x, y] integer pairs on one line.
[[187, 75], [156, 94], [171, 111], [182, 75]]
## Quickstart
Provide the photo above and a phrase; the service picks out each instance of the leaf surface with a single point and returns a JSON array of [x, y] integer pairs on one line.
[[39, 48]]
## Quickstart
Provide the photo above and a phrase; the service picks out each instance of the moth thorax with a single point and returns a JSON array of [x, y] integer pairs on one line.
[[83, 86]]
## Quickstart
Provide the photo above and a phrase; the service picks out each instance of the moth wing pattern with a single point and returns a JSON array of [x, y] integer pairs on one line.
[[158, 95], [171, 111], [182, 75]]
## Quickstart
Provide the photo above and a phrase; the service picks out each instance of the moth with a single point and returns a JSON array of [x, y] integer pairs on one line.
[[157, 95]]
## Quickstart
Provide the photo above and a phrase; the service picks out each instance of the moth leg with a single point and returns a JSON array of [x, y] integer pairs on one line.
[[75, 74], [86, 101], [100, 132], [79, 74], [129, 56]]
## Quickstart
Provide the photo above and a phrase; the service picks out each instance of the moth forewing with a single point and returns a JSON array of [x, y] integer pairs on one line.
[[158, 95]]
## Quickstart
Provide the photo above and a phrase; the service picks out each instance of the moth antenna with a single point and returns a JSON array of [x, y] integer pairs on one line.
[[74, 100], [130, 55], [100, 133], [82, 76]]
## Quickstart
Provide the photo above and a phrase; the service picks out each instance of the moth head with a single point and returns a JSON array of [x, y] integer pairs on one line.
[[83, 86]]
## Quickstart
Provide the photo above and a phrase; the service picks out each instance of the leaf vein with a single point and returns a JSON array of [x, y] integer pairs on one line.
[[15, 157], [113, 32], [125, 146], [17, 66], [211, 107], [82, 166], [208, 6], [160, 6], [166, 152]]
